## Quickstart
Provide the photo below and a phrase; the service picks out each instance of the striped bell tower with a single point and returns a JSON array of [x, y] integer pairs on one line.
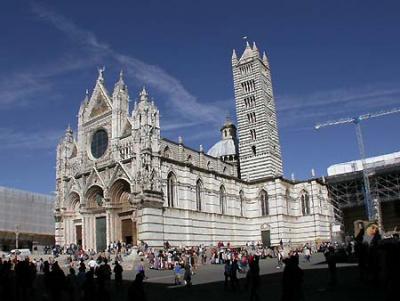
[[259, 148]]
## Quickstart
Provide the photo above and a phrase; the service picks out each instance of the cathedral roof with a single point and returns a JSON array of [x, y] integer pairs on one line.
[[224, 147]]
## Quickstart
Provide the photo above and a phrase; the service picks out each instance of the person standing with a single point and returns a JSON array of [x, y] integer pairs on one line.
[[188, 275], [118, 274], [292, 281], [227, 272]]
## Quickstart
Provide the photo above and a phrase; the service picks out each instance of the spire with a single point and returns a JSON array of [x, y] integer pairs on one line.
[[248, 52], [120, 84], [234, 56], [228, 120], [265, 59], [68, 130], [255, 50], [86, 98], [255, 46], [143, 96]]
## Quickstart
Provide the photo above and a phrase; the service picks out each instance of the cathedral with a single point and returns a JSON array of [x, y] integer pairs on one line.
[[117, 179]]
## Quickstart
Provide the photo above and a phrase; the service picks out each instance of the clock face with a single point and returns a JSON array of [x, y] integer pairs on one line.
[[99, 143]]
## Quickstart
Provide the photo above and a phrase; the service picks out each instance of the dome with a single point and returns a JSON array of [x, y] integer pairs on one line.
[[224, 147]]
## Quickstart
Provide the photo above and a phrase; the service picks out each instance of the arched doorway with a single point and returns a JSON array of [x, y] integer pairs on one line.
[[122, 217], [75, 223], [95, 200], [266, 235]]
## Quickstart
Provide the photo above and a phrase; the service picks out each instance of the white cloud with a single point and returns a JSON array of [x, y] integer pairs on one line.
[[295, 110], [19, 88], [11, 139], [181, 100]]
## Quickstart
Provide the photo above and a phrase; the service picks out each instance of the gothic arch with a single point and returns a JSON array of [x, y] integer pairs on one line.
[[167, 152], [73, 202], [199, 194], [95, 197], [264, 203], [172, 199], [119, 191]]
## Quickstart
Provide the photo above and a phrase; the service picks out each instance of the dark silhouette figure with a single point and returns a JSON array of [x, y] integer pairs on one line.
[[331, 260], [227, 272], [72, 285], [253, 278], [292, 281], [89, 286], [118, 274], [233, 275], [56, 282], [188, 275], [136, 290]]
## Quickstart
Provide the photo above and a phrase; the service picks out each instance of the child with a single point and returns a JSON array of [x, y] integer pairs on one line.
[[177, 273]]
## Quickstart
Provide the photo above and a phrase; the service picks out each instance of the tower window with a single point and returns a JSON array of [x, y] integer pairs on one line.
[[248, 86], [253, 134], [253, 149]]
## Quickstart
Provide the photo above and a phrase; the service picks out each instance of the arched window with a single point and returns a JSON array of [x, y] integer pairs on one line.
[[167, 152], [171, 190], [287, 196], [305, 203], [199, 188], [222, 199], [264, 203], [241, 200]]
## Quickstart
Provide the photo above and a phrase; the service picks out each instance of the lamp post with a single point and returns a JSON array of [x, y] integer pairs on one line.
[[16, 236]]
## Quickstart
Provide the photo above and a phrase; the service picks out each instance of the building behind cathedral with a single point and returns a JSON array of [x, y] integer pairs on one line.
[[118, 179]]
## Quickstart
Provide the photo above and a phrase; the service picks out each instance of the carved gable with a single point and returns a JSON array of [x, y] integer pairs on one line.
[[99, 106]]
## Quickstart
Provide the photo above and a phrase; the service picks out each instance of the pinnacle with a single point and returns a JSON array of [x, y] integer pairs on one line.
[[254, 46], [143, 95], [234, 56], [68, 130]]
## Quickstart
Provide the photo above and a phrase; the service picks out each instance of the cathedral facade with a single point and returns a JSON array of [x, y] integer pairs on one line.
[[118, 179]]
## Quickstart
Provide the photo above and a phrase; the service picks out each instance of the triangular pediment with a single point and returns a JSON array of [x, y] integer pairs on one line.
[[94, 179], [118, 173], [99, 103], [99, 106], [127, 129]]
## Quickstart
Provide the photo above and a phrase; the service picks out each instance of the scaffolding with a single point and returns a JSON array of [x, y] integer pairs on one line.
[[347, 196], [25, 214]]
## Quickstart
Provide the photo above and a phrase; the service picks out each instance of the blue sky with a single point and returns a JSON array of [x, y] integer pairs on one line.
[[329, 59]]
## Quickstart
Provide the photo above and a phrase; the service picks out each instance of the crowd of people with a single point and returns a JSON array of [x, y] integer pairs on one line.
[[87, 275]]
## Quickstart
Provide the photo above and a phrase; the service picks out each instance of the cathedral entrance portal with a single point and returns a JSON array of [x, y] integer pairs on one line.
[[266, 238], [78, 235], [101, 229], [128, 228]]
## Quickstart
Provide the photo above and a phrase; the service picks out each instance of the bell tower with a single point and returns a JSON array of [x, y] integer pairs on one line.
[[259, 148]]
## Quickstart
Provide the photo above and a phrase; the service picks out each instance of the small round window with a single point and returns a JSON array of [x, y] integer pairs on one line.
[[99, 143]]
